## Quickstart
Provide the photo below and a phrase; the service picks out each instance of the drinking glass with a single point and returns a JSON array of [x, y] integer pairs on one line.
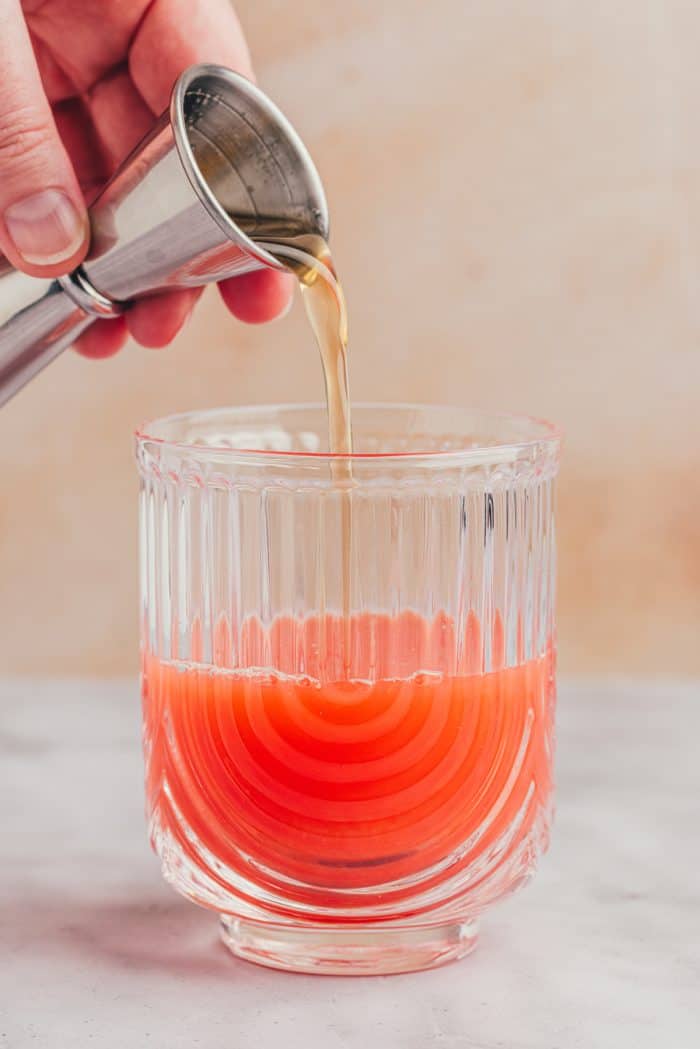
[[348, 674]]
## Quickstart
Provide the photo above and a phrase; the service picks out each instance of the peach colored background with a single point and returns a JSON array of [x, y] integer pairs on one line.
[[526, 178]]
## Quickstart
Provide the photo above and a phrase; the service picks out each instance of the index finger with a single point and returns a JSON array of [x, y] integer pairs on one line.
[[176, 34]]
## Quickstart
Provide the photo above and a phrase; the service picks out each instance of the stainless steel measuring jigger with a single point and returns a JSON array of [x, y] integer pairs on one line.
[[220, 168]]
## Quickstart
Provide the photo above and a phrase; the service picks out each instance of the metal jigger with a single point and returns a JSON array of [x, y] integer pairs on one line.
[[220, 168]]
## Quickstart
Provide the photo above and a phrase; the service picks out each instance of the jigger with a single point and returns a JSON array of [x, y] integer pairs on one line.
[[219, 169]]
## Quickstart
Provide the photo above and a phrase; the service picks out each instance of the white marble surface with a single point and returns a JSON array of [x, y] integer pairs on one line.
[[601, 952]]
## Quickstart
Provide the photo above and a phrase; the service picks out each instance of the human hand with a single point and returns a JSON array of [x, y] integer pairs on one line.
[[81, 84]]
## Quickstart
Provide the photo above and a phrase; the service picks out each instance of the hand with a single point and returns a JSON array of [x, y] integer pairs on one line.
[[81, 84]]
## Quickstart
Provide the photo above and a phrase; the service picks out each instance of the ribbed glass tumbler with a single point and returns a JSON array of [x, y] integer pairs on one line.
[[348, 675]]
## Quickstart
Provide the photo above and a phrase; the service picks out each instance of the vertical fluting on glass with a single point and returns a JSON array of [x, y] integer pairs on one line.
[[213, 557], [240, 555]]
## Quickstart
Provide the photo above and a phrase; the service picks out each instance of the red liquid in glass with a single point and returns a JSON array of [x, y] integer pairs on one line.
[[341, 783]]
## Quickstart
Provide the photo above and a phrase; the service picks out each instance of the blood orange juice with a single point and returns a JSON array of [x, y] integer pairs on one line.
[[348, 783]]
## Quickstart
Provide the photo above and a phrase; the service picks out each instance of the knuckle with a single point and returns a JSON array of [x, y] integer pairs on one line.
[[22, 136]]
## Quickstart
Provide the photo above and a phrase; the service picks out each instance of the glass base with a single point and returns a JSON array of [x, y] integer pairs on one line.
[[348, 950]]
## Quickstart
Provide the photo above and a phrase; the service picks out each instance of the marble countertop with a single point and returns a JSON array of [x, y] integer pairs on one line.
[[602, 950]]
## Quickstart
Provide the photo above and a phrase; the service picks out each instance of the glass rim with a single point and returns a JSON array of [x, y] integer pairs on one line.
[[546, 436]]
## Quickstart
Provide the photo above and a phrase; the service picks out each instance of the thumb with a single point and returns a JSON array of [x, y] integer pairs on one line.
[[43, 221]]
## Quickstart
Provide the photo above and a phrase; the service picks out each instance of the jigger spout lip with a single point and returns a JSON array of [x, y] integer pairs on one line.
[[237, 85]]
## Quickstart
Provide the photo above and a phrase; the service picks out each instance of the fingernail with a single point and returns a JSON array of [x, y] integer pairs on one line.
[[46, 227]]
